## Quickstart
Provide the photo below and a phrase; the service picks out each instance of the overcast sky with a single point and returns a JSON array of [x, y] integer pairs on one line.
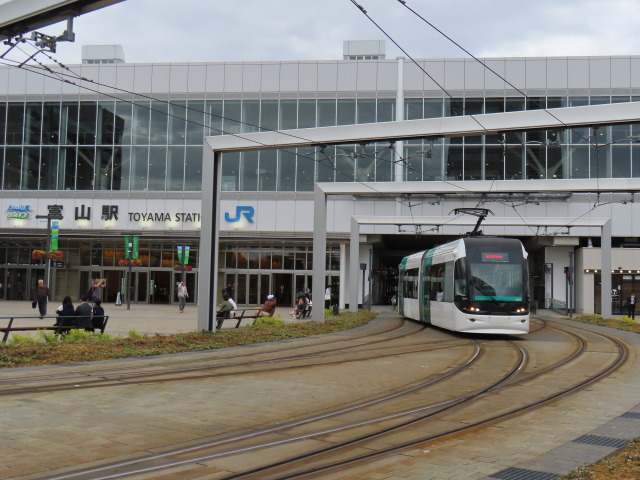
[[210, 30]]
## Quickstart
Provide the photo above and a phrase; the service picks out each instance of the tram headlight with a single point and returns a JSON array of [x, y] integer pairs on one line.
[[522, 310]]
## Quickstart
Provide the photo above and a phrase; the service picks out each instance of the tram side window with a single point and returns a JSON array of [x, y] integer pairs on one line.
[[410, 283], [436, 275]]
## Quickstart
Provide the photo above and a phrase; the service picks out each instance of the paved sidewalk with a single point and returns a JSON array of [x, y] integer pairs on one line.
[[143, 318], [540, 445]]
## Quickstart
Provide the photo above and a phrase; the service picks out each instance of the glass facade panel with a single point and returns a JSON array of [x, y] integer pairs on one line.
[[326, 113], [269, 115], [139, 167], [140, 123], [15, 113], [193, 169], [345, 163], [306, 113], [250, 115], [123, 123], [175, 168], [288, 114], [535, 162], [106, 123], [413, 163], [87, 123], [3, 124], [267, 173], [104, 168], [121, 168], [33, 123], [454, 166], [30, 168], [305, 169], [287, 167], [366, 110], [557, 165], [413, 108], [493, 163], [213, 117], [158, 123], [387, 110], [346, 112], [579, 158], [473, 163], [384, 164], [621, 161], [230, 172], [249, 169], [157, 168], [12, 168], [196, 121], [67, 166], [85, 168]]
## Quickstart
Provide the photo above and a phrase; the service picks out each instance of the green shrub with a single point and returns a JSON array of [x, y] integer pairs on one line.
[[134, 334], [267, 320], [48, 337], [16, 339]]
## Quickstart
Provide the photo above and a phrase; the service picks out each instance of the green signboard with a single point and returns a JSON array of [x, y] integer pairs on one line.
[[55, 230]]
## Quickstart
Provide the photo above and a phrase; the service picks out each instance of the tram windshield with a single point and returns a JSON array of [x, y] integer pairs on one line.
[[495, 276]]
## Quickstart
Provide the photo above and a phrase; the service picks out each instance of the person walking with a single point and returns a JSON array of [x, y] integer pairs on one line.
[[43, 295], [631, 306], [182, 295]]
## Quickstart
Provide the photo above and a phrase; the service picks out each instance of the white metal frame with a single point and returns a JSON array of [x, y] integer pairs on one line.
[[392, 131]]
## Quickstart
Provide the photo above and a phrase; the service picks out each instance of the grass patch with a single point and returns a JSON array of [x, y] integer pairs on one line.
[[81, 346], [620, 323], [624, 465]]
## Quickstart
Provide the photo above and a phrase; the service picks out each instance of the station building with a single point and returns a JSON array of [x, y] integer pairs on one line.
[[117, 149]]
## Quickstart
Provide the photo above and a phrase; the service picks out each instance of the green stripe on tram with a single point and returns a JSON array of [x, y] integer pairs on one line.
[[425, 304]]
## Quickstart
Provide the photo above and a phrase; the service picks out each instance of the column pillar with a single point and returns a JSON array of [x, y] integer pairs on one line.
[[343, 274], [319, 253]]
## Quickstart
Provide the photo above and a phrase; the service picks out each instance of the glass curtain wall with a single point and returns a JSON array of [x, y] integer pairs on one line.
[[157, 146]]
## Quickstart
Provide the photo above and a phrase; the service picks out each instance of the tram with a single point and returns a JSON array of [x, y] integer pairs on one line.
[[474, 284]]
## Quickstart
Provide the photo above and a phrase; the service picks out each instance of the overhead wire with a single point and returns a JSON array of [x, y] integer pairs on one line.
[[149, 97]]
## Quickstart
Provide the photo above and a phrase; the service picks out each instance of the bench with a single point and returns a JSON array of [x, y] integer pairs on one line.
[[55, 328], [249, 313]]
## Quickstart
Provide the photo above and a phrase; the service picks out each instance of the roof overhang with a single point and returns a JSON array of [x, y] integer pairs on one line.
[[492, 123], [21, 16]]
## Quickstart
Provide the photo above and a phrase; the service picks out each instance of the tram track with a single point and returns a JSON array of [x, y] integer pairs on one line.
[[161, 369], [319, 460]]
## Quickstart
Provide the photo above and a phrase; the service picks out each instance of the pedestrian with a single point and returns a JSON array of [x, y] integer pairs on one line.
[[327, 298], [84, 312], [97, 315], [43, 295], [631, 306], [234, 306], [269, 307], [95, 291], [182, 295]]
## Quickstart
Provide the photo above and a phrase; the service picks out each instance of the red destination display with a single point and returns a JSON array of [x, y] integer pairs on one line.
[[495, 257]]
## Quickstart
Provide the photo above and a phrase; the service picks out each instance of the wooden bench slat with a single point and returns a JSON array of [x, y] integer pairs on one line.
[[57, 328]]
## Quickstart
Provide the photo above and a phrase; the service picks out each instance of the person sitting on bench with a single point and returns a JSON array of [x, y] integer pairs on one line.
[[66, 314], [97, 319], [83, 312], [224, 310]]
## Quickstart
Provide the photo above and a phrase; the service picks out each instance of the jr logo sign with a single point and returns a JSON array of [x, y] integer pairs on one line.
[[241, 210]]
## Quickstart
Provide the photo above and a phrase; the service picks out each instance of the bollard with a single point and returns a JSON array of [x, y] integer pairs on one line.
[[336, 310]]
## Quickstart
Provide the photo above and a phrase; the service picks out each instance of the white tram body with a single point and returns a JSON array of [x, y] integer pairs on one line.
[[474, 285]]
